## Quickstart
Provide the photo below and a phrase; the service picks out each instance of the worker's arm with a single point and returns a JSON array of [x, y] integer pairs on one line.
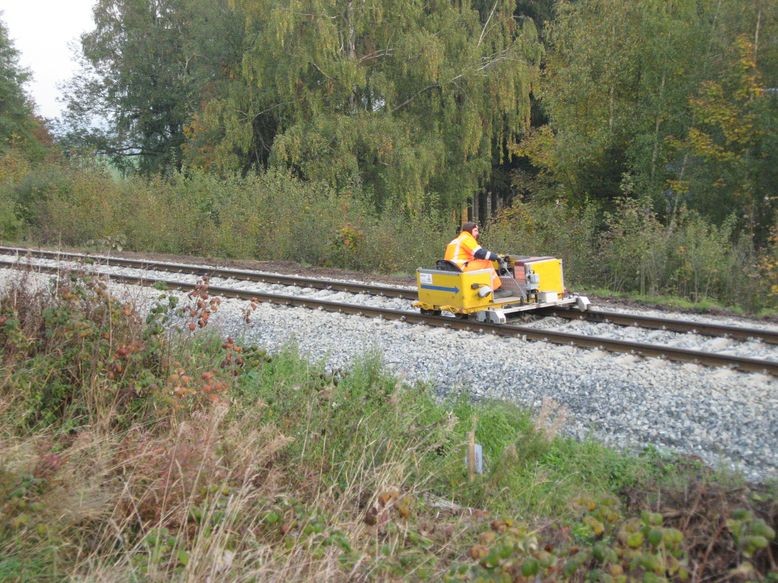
[[482, 253]]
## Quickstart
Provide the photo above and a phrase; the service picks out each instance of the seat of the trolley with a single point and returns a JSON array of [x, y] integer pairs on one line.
[[447, 265]]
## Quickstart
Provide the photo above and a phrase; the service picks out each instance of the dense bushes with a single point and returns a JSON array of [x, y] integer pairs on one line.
[[76, 354], [631, 250], [551, 229], [271, 216], [275, 216]]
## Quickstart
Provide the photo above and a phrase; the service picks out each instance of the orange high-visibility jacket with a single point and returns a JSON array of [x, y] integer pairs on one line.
[[462, 252], [462, 249]]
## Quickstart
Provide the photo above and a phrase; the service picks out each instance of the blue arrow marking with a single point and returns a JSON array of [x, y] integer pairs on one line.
[[453, 290]]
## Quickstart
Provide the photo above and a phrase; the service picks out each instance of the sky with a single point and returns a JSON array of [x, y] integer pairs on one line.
[[41, 31]]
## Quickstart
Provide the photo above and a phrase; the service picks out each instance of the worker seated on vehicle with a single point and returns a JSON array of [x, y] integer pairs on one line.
[[465, 251]]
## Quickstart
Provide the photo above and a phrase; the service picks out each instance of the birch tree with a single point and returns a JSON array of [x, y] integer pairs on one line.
[[409, 101]]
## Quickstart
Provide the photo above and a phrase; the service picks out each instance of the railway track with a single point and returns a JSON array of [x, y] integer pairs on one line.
[[17, 256]]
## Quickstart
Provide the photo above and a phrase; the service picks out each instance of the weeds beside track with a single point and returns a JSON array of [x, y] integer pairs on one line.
[[132, 453]]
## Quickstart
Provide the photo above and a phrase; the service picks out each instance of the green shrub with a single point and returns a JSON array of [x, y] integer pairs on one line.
[[77, 356], [541, 228], [11, 226], [701, 258], [274, 216], [633, 248], [172, 456], [607, 546], [64, 203], [14, 166]]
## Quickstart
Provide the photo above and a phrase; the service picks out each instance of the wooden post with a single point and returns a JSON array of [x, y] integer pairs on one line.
[[471, 469]]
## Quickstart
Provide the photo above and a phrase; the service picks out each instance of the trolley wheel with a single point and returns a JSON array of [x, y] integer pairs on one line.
[[430, 312]]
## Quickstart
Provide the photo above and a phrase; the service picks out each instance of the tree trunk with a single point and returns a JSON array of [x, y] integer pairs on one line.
[[655, 152], [351, 48], [756, 32]]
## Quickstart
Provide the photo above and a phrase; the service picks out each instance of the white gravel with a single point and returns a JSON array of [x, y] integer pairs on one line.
[[728, 419]]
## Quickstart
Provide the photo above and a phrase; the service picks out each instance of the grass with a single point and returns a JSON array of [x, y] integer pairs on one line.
[[130, 452], [707, 305]]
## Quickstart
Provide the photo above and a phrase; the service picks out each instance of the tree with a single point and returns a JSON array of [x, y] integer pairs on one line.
[[617, 79], [731, 150], [627, 83], [403, 99], [135, 91], [19, 128]]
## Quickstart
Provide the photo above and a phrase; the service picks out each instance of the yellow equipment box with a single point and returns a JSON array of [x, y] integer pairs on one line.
[[548, 270], [458, 290], [527, 283]]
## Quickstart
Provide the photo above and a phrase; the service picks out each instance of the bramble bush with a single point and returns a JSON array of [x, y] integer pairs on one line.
[[76, 353]]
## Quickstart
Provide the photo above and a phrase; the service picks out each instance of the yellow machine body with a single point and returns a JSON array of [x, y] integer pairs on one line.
[[453, 291], [548, 269], [529, 282]]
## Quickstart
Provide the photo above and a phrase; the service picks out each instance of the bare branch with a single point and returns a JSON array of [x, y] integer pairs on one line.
[[486, 24], [376, 55]]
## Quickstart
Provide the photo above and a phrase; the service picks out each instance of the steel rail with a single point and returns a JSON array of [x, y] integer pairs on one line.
[[591, 315], [655, 323], [217, 271], [525, 333]]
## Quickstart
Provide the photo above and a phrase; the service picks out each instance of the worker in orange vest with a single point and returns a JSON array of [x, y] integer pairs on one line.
[[465, 251]]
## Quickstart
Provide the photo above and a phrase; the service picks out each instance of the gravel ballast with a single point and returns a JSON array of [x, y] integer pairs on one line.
[[726, 418]]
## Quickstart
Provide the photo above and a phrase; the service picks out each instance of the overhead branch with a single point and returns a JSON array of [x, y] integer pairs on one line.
[[504, 56], [415, 95], [486, 24], [376, 55]]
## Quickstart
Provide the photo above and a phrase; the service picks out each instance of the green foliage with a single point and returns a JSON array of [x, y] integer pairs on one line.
[[751, 534], [160, 550], [607, 546], [19, 128], [702, 258], [634, 249], [226, 450], [616, 86], [730, 145], [401, 99], [78, 359], [11, 226], [354, 424], [63, 203], [416, 107], [662, 100], [135, 91], [270, 216], [550, 228], [691, 258], [274, 216]]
